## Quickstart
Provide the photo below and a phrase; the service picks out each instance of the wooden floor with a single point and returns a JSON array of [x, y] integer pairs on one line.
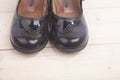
[[100, 60]]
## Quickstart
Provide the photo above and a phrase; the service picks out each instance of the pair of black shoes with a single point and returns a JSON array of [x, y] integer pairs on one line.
[[37, 21]]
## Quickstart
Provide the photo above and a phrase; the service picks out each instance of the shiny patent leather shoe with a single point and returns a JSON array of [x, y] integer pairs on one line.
[[69, 30], [29, 32]]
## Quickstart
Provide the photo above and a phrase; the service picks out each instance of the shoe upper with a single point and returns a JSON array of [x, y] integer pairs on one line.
[[29, 33], [69, 33]]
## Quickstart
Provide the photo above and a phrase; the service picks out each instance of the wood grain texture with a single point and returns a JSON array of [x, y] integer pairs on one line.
[[100, 60], [96, 62]]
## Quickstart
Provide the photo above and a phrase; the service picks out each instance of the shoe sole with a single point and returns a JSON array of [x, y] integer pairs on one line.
[[28, 51], [70, 50]]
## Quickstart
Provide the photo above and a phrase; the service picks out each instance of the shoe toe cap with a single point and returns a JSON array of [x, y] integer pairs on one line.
[[28, 45], [70, 42]]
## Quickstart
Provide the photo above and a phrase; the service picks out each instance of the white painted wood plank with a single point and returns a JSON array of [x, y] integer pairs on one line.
[[103, 25], [99, 61], [96, 62], [8, 5], [5, 23], [96, 4]]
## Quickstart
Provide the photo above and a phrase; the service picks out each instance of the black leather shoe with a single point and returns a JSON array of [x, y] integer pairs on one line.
[[69, 30], [29, 32]]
